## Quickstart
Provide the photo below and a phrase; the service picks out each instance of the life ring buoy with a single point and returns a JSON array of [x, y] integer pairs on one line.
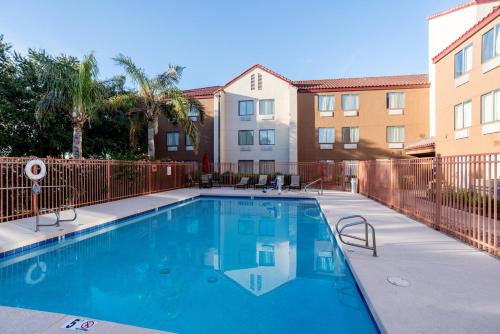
[[29, 169], [29, 275]]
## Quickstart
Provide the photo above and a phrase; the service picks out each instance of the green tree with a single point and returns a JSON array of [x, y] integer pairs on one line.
[[155, 96], [72, 87]]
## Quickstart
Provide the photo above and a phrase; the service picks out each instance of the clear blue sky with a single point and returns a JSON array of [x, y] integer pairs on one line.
[[216, 40]]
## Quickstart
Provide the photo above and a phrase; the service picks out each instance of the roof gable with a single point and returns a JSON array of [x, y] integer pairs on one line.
[[265, 69], [468, 34], [459, 7]]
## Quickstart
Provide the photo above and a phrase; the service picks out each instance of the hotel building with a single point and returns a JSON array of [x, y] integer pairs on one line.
[[261, 116]]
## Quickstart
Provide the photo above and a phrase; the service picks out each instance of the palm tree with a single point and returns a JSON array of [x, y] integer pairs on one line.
[[155, 96], [71, 86]]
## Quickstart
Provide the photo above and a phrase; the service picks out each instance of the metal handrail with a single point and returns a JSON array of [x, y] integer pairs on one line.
[[363, 221], [320, 191]]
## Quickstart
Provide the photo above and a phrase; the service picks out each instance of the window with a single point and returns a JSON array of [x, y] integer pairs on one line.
[[266, 137], [245, 137], [395, 100], [463, 61], [490, 107], [245, 108], [172, 138], [491, 44], [252, 82], [266, 166], [326, 102], [193, 111], [266, 256], [259, 81], [245, 166], [188, 141], [326, 135], [395, 134], [463, 115], [350, 102], [266, 107], [350, 135]]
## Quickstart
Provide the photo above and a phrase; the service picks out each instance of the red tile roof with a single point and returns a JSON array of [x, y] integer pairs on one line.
[[204, 92], [426, 143], [459, 7], [279, 76], [468, 34], [398, 81]]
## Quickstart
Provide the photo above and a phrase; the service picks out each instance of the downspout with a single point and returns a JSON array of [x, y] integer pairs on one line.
[[219, 94]]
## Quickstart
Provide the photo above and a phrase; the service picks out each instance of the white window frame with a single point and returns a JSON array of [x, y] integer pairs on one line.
[[496, 47], [350, 95], [326, 142], [353, 132], [388, 100], [331, 98], [264, 101], [389, 140], [172, 147], [467, 56], [495, 107], [462, 122]]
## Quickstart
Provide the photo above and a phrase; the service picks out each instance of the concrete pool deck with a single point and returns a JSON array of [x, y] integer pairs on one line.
[[453, 287]]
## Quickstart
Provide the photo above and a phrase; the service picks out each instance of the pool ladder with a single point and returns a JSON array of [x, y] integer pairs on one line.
[[57, 213], [361, 221], [320, 190]]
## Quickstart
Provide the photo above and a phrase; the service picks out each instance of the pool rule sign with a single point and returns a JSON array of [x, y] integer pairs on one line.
[[79, 324]]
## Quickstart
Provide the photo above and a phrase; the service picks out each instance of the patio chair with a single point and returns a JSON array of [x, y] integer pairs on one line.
[[262, 182], [295, 182], [243, 183], [205, 181], [215, 180], [189, 181]]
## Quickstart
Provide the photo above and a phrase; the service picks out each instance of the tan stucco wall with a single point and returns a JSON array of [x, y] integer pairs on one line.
[[372, 120], [206, 133], [448, 95]]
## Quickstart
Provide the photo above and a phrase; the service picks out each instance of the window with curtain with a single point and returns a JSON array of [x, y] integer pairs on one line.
[[463, 61], [463, 115], [266, 107], [395, 100], [245, 166], [172, 138], [193, 111], [350, 135], [245, 108], [245, 137], [266, 256], [326, 135], [395, 134], [266, 137], [490, 107], [350, 102], [266, 166], [326, 102], [188, 141], [491, 44]]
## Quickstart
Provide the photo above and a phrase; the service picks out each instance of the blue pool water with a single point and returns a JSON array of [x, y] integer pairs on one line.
[[211, 265]]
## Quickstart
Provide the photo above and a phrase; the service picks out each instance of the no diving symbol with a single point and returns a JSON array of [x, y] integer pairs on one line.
[[86, 325], [78, 324]]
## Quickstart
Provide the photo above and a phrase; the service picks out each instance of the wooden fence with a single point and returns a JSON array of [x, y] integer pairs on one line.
[[83, 182], [457, 194]]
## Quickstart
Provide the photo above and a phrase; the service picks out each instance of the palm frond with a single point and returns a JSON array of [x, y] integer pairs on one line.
[[126, 102], [169, 79], [177, 109], [137, 74]]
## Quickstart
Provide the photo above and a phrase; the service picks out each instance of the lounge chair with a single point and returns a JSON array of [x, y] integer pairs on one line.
[[262, 182], [295, 182], [215, 180], [205, 181], [243, 183]]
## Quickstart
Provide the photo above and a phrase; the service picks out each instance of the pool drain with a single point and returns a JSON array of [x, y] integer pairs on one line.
[[165, 271], [398, 281], [212, 279]]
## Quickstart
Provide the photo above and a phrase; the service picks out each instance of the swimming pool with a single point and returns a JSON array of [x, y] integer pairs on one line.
[[210, 265]]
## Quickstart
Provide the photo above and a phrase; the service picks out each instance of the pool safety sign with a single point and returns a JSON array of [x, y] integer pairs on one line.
[[79, 324]]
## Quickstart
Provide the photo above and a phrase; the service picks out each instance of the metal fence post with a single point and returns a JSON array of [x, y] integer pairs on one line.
[[108, 179], [439, 191]]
